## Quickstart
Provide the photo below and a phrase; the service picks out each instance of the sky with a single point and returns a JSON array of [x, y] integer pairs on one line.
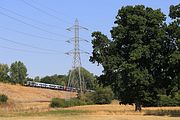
[[34, 31]]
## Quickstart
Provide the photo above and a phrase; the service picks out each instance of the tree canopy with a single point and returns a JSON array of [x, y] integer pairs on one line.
[[89, 78], [4, 70], [18, 72], [54, 79], [142, 57]]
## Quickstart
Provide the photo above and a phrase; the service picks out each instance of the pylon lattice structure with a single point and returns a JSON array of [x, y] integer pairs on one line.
[[76, 78]]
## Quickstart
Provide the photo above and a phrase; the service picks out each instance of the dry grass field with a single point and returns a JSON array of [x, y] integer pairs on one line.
[[33, 104], [91, 112], [28, 98], [92, 117]]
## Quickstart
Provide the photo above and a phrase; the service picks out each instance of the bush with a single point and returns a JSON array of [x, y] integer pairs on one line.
[[86, 98], [102, 95], [57, 102], [168, 101], [162, 101], [3, 98]]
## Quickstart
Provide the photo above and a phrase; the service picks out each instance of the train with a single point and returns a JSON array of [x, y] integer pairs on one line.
[[51, 86]]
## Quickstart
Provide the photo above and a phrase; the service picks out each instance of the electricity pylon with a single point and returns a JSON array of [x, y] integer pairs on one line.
[[76, 78]]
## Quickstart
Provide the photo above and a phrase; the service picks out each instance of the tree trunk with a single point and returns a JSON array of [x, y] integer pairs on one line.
[[138, 107]]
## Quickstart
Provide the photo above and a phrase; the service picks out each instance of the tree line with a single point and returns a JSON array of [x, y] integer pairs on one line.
[[142, 59], [90, 79], [17, 74]]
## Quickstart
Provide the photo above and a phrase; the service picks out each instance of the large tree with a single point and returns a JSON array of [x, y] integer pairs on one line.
[[134, 61], [172, 58], [18, 72]]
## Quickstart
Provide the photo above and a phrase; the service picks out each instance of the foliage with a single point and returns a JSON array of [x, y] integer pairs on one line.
[[172, 57], [162, 101], [142, 56], [86, 97], [37, 79], [55, 79], [89, 78], [18, 72], [57, 102], [4, 69], [169, 101], [102, 95], [29, 79], [3, 98], [15, 74]]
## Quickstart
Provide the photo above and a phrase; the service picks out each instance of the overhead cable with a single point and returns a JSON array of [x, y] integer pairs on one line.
[[27, 45], [36, 27], [44, 12]]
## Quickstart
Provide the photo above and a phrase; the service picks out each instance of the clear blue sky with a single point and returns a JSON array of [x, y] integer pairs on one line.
[[93, 14]]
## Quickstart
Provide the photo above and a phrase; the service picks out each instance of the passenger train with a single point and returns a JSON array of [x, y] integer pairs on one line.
[[50, 86]]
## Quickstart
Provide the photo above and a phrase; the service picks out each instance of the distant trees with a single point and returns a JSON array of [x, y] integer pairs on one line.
[[55, 79], [4, 70], [143, 55], [89, 78], [17, 73]]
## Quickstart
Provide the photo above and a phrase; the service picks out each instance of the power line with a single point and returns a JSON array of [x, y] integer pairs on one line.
[[28, 18], [90, 30], [29, 34], [53, 10], [27, 45], [36, 27], [44, 12], [27, 51]]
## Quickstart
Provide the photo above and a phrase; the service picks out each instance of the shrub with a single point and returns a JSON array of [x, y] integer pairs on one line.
[[3, 98], [57, 102], [168, 101], [102, 95], [86, 98], [162, 101]]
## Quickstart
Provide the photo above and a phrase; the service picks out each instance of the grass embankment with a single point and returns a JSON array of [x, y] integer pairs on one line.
[[23, 98]]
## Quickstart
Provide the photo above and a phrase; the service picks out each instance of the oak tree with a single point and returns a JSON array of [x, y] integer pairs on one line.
[[134, 61]]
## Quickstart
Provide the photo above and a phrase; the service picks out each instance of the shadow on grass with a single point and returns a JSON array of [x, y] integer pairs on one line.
[[171, 113]]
